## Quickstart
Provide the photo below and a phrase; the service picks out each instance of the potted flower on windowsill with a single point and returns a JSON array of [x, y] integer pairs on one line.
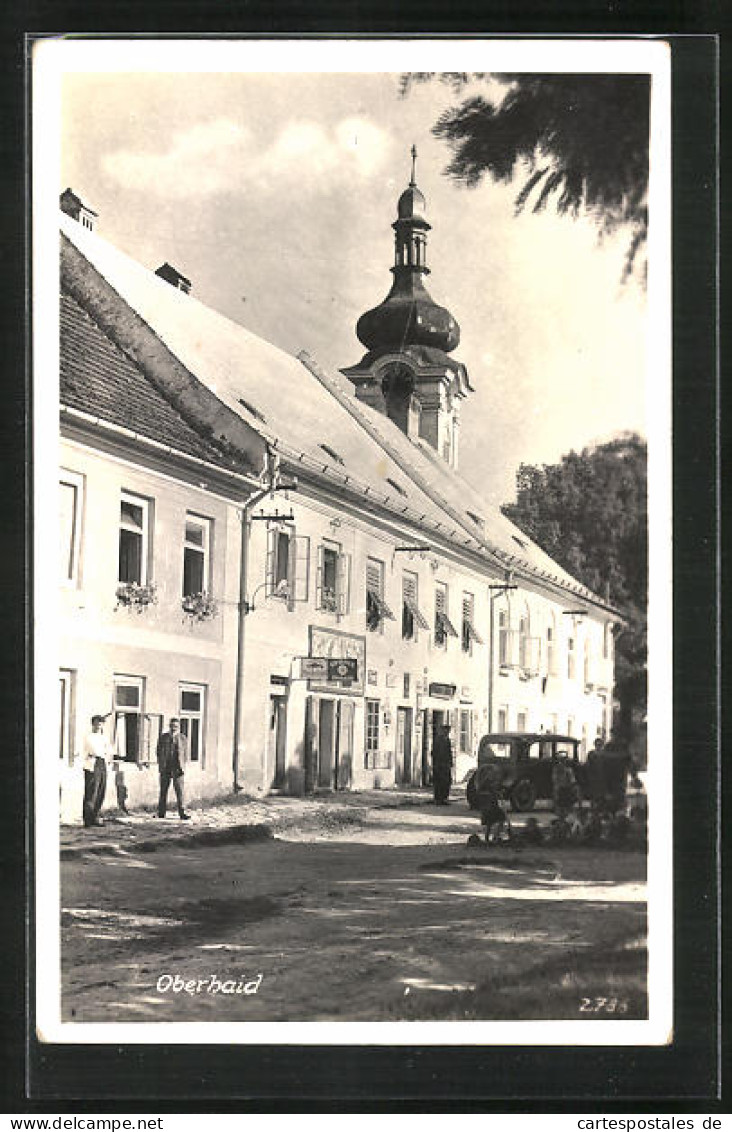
[[199, 607], [136, 595]]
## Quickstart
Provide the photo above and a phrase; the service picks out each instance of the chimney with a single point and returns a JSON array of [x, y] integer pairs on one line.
[[74, 207], [171, 275]]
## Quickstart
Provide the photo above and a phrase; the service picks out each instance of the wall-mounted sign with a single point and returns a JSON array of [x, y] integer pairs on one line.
[[333, 648], [279, 680], [314, 667], [343, 668], [443, 691], [372, 676]]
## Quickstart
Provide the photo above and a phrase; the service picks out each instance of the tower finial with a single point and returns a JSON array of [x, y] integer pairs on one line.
[[414, 165]]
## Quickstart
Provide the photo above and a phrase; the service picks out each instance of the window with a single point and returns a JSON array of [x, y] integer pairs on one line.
[[397, 486], [503, 637], [524, 647], [444, 627], [372, 729], [570, 725], [469, 632], [554, 723], [607, 641], [288, 565], [551, 655], [70, 505], [376, 608], [191, 712], [570, 658], [466, 736], [133, 539], [503, 719], [332, 453], [412, 617], [66, 690], [521, 718], [128, 717], [196, 555], [333, 580], [407, 686]]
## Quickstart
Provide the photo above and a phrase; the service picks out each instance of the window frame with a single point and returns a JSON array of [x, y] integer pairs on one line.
[[75, 481], [469, 634], [204, 551], [372, 710], [124, 680], [443, 626], [67, 689], [185, 715], [465, 733], [143, 533], [377, 609]]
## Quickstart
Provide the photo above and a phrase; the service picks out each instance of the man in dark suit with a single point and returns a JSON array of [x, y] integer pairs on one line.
[[171, 756]]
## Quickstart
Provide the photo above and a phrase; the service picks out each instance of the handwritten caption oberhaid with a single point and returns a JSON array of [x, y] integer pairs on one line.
[[212, 985]]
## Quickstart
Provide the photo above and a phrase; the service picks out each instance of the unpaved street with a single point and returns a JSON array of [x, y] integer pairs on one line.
[[356, 909]]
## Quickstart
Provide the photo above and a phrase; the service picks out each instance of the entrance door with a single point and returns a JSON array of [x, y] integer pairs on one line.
[[344, 754], [404, 746], [326, 741], [432, 721], [276, 737]]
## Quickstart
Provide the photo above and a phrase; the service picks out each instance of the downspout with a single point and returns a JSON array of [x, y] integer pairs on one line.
[[274, 484], [499, 590], [246, 528]]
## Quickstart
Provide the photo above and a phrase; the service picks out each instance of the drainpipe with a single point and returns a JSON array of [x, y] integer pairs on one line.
[[498, 591], [273, 484]]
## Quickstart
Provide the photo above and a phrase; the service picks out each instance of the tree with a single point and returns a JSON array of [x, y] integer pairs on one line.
[[589, 513], [578, 140]]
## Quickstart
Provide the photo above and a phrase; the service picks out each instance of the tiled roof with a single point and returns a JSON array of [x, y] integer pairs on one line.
[[98, 378]]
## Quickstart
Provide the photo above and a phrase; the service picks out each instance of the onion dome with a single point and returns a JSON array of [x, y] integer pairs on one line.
[[409, 316]]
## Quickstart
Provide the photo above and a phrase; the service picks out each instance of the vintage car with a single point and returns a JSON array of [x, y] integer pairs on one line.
[[523, 762]]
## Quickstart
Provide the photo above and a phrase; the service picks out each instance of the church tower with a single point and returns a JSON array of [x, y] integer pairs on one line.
[[406, 373]]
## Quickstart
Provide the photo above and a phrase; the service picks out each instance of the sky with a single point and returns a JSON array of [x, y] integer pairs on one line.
[[275, 194]]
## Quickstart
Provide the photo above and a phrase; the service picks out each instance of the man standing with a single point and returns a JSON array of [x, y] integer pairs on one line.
[[171, 756], [442, 764], [95, 771]]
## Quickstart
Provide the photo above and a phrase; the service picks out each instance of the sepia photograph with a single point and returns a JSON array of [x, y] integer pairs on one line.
[[352, 450]]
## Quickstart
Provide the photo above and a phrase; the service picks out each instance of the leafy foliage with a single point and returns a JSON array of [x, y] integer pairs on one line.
[[578, 140], [589, 512]]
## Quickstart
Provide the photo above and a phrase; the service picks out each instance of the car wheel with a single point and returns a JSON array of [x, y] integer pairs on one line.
[[523, 795]]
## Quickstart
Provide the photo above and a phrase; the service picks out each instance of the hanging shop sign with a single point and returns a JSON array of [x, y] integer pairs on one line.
[[314, 667], [443, 691], [341, 661]]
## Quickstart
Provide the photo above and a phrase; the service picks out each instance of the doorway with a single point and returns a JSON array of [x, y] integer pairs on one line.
[[431, 720], [276, 738], [404, 747], [326, 737]]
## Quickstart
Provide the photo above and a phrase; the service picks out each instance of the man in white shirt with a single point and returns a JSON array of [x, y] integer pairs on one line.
[[96, 753]]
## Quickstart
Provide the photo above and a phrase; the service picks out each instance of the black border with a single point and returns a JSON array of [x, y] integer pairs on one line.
[[681, 1078]]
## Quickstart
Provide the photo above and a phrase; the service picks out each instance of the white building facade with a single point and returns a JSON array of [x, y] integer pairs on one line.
[[305, 579]]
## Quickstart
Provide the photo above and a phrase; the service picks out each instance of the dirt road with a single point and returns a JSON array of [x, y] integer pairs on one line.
[[351, 911]]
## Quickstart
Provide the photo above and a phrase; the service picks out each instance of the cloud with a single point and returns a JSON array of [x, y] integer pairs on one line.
[[197, 162], [220, 155]]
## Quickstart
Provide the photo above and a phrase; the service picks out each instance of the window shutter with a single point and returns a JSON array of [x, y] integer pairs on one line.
[[319, 580], [299, 576], [344, 583], [373, 577]]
